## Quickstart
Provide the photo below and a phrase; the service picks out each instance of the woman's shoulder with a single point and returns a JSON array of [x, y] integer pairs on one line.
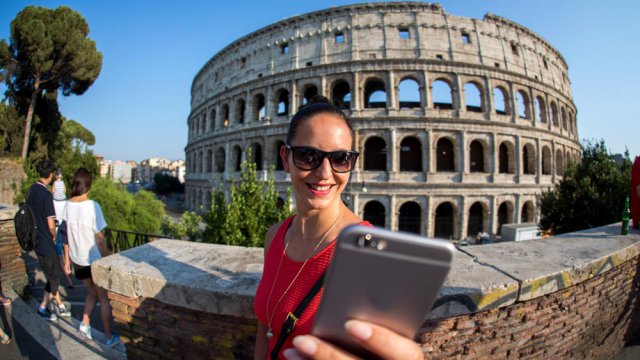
[[273, 231]]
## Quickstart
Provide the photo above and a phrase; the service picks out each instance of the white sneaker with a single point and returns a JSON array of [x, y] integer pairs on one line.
[[62, 311], [85, 330]]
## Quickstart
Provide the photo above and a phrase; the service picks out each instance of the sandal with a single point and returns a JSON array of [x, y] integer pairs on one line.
[[5, 300], [5, 339]]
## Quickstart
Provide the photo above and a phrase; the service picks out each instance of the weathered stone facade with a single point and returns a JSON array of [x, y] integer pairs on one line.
[[460, 122]]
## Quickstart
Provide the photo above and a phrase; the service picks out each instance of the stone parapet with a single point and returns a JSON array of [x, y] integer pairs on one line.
[[571, 295], [13, 272]]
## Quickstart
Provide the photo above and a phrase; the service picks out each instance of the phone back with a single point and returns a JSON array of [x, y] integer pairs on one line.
[[385, 277]]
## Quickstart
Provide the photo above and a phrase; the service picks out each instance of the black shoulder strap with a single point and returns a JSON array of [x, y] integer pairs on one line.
[[292, 318]]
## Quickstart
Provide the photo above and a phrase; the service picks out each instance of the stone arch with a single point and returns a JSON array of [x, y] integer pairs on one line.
[[308, 92], [476, 221], [505, 215], [410, 154], [524, 105], [220, 160], [546, 160], [478, 157], [528, 159], [408, 93], [200, 161], [445, 155], [506, 158], [442, 94], [203, 123], [473, 98], [409, 217], [375, 94], [554, 114], [559, 163], [375, 154], [375, 213], [541, 110], [501, 100], [445, 219], [225, 115], [341, 94], [208, 160], [282, 102], [527, 214], [278, 159], [563, 113], [259, 107], [237, 158], [240, 111], [256, 155]]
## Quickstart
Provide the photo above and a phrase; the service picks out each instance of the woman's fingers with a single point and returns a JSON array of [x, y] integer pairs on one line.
[[377, 339], [310, 347], [381, 341]]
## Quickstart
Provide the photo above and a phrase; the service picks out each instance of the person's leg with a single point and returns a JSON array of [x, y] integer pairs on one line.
[[49, 269], [89, 301], [4, 338], [105, 310]]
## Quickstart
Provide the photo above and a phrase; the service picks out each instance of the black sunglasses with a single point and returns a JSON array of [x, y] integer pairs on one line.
[[308, 158]]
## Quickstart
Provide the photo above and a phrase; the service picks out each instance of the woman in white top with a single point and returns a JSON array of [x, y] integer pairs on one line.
[[87, 244]]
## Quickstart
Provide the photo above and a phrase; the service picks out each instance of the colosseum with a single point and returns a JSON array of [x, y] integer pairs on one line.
[[461, 123]]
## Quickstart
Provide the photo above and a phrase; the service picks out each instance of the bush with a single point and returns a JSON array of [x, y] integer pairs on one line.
[[590, 194]]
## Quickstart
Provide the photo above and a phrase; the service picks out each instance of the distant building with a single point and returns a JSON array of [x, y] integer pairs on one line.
[[121, 171], [148, 168]]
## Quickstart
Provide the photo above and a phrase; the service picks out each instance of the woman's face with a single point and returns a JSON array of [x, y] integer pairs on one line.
[[319, 188]]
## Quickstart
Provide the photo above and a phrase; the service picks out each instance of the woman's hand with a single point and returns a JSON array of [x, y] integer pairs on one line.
[[377, 339]]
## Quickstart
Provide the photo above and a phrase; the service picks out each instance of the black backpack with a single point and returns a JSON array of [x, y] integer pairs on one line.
[[26, 226]]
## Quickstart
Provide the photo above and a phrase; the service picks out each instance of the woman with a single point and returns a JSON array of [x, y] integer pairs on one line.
[[85, 223], [318, 157]]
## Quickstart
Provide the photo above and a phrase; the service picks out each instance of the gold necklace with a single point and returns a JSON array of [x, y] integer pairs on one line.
[[284, 253]]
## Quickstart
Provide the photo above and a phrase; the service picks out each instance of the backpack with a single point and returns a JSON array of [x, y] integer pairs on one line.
[[26, 226]]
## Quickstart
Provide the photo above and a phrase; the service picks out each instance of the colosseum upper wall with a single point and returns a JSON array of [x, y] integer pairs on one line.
[[461, 123]]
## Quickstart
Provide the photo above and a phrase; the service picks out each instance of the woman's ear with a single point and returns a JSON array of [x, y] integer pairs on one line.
[[284, 158]]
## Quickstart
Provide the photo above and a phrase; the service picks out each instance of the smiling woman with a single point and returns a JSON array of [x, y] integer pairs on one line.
[[298, 249]]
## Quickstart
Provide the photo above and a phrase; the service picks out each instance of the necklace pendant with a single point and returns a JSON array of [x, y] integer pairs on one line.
[[269, 334]]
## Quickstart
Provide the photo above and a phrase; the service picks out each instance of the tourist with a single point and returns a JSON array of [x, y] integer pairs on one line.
[[87, 244], [318, 157], [59, 202], [41, 202]]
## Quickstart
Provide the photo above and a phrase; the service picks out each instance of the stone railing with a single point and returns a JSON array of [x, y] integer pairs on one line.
[[13, 272], [574, 295]]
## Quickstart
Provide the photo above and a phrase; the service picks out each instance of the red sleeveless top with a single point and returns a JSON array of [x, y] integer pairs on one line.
[[288, 269]]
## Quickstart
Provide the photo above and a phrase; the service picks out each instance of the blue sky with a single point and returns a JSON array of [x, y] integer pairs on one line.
[[138, 107]]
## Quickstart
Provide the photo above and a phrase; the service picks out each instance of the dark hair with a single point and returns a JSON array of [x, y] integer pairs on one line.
[[81, 182], [317, 105], [45, 168]]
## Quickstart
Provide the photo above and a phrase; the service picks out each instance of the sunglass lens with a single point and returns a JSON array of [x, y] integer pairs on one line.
[[306, 158], [341, 161]]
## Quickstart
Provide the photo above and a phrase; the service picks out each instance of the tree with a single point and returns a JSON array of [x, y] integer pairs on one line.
[[165, 184], [188, 226], [252, 208], [48, 51], [590, 194], [139, 213]]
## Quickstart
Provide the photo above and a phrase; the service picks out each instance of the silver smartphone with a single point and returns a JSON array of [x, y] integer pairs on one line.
[[385, 277]]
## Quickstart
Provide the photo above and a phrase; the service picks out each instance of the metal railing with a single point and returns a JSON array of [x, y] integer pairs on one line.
[[120, 240]]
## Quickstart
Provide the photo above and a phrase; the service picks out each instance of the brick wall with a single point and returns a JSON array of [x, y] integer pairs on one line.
[[154, 330], [13, 272], [592, 319]]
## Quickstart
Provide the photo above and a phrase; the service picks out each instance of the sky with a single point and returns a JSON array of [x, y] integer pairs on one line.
[[139, 105]]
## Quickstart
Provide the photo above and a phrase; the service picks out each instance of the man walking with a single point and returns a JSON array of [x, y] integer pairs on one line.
[[40, 200]]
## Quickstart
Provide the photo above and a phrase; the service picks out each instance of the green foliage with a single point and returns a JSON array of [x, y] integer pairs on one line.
[[188, 226], [165, 184], [590, 194], [252, 209], [48, 51], [32, 177], [140, 212], [11, 130]]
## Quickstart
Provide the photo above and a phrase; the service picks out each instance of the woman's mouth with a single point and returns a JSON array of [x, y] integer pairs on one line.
[[319, 189]]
